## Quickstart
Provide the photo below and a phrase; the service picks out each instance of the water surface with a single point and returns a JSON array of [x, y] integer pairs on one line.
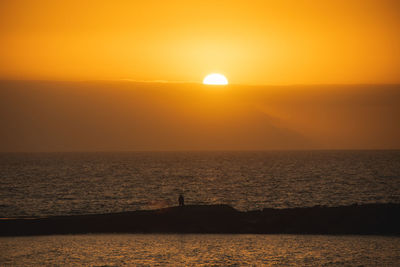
[[80, 183], [188, 250]]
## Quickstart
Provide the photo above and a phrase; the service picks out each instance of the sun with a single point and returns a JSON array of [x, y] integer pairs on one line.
[[215, 79]]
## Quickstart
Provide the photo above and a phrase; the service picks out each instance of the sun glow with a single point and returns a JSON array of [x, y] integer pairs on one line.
[[215, 79]]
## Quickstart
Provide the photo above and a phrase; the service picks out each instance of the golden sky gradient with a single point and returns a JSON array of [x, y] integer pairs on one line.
[[251, 42], [72, 72]]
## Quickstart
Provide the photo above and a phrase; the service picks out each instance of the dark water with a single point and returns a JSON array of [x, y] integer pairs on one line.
[[80, 183]]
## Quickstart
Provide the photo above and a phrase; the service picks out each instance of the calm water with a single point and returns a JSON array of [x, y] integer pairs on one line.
[[186, 250], [80, 183]]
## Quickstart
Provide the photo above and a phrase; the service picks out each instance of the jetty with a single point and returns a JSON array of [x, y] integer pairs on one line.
[[369, 219]]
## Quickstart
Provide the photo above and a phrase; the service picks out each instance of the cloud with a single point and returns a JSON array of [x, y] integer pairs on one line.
[[121, 116]]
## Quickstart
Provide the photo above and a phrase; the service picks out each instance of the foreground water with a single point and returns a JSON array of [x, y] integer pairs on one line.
[[80, 183], [186, 250]]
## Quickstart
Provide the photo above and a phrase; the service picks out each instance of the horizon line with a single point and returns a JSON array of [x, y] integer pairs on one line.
[[197, 82], [201, 150]]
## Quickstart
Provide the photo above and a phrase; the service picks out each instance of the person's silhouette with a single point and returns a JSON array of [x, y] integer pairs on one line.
[[181, 200]]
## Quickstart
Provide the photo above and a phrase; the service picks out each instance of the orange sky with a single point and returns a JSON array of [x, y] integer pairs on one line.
[[126, 116], [251, 42]]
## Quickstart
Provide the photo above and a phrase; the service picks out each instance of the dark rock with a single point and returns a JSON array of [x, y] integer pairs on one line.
[[380, 219]]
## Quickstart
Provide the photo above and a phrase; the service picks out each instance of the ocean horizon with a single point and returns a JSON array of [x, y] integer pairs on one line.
[[46, 184]]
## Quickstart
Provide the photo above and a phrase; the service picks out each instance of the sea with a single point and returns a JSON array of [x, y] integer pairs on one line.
[[47, 184]]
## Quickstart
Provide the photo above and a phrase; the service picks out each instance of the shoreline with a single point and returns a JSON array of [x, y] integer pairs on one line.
[[368, 219]]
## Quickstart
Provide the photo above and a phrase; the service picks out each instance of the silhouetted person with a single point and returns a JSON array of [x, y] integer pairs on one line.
[[181, 200]]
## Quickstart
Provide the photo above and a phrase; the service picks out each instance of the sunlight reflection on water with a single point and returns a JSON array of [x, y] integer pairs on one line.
[[184, 250], [81, 183]]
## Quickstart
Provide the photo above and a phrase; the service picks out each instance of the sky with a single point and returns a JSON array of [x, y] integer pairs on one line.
[[251, 42], [51, 116], [126, 75]]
